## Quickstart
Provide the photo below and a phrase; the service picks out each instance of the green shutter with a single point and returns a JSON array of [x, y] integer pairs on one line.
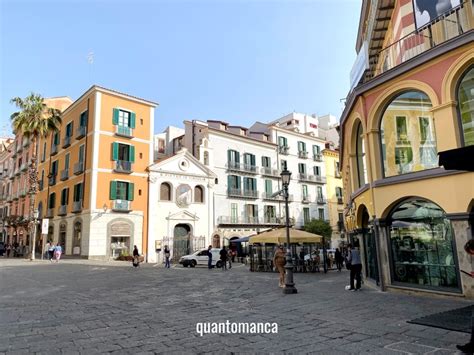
[[115, 116], [131, 154], [113, 190], [252, 160], [131, 187], [238, 182], [115, 148], [132, 120], [229, 181], [237, 157], [268, 186]]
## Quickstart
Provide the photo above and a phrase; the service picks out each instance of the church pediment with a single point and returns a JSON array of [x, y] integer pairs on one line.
[[183, 216]]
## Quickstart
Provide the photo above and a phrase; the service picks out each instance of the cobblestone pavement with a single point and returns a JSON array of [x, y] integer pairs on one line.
[[91, 307]]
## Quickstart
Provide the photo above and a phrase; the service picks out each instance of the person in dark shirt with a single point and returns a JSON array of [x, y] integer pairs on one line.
[[223, 254], [209, 257], [136, 257]]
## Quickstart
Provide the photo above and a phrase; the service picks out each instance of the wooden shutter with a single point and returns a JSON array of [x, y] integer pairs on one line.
[[113, 190], [252, 159], [131, 187], [115, 148], [132, 119], [115, 116], [131, 154]]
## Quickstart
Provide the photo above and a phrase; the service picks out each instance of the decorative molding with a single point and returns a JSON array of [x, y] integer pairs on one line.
[[415, 176], [359, 191]]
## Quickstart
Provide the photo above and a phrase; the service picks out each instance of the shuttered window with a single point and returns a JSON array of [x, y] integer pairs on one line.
[[121, 190], [123, 118]]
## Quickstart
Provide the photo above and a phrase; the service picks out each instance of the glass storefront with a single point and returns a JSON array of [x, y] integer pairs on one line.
[[422, 246], [371, 266]]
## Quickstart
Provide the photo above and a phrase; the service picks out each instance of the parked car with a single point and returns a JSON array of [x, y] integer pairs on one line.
[[200, 257]]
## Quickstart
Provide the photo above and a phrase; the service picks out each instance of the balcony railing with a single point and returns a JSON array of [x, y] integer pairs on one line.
[[317, 157], [64, 174], [320, 200], [237, 166], [50, 213], [67, 141], [306, 199], [446, 27], [124, 131], [78, 168], [252, 220], [121, 205], [62, 210], [283, 149], [123, 166], [312, 178], [269, 196], [77, 206], [269, 172], [253, 194], [81, 132], [54, 149], [303, 154], [52, 180]]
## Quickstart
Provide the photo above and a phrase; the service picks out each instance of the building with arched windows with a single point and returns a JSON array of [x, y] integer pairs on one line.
[[412, 97]]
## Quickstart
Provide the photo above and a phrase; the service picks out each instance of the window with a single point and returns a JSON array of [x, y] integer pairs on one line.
[[337, 168], [301, 146], [206, 158], [407, 135], [302, 168], [121, 190], [198, 194], [81, 153], [268, 187], [56, 139], [165, 192], [338, 192], [465, 99], [52, 201], [282, 142], [66, 162], [125, 122], [321, 214], [317, 170], [233, 158], [306, 215], [266, 162], [249, 160], [234, 214], [54, 168], [77, 197], [360, 156], [64, 196], [43, 158], [320, 192], [250, 184], [284, 165], [69, 129], [269, 214], [316, 150], [83, 119], [161, 146], [304, 191], [123, 152], [251, 213]]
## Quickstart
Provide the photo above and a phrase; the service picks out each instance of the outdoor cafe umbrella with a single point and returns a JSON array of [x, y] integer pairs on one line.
[[278, 236]]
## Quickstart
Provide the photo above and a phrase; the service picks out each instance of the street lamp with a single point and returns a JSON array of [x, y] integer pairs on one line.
[[289, 284], [33, 242]]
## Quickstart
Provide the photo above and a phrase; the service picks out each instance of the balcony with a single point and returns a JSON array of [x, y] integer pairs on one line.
[[252, 221], [77, 206], [81, 132], [306, 199], [318, 157], [241, 167], [321, 200], [78, 168], [64, 174], [268, 196], [123, 131], [121, 205], [318, 179], [270, 172], [123, 166], [339, 200], [50, 213], [52, 180], [62, 210], [239, 193], [284, 149], [54, 149], [303, 154], [67, 141]]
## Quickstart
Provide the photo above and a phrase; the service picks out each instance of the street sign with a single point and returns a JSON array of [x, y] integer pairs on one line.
[[45, 226]]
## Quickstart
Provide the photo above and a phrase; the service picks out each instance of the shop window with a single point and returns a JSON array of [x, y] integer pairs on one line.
[[360, 156], [465, 98], [407, 135], [422, 246]]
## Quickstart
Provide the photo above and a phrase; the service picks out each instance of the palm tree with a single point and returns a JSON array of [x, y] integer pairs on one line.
[[34, 120]]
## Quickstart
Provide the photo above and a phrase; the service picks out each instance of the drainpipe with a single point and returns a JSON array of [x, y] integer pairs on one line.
[[194, 136], [85, 157]]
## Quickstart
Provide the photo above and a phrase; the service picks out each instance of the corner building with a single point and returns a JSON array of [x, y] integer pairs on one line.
[[412, 97], [93, 180]]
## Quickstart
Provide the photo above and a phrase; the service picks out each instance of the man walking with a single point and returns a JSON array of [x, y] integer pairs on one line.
[[223, 254], [209, 257], [356, 267]]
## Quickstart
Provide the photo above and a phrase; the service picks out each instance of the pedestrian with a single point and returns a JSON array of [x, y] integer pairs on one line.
[[209, 257], [58, 250], [136, 257], [167, 257], [234, 254], [229, 258], [338, 257], [9, 249], [279, 261], [223, 254], [469, 347], [51, 251], [356, 267]]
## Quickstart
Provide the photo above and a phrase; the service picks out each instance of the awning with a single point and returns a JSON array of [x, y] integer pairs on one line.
[[458, 159], [278, 236], [240, 240]]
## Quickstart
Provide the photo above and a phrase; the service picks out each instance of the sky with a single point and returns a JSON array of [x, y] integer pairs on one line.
[[238, 61]]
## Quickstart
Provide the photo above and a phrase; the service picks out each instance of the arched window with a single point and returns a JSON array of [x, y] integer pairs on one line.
[[198, 194], [165, 192], [422, 246], [465, 99], [360, 156], [206, 158], [407, 135]]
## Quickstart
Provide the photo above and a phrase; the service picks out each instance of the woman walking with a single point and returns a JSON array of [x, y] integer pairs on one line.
[[136, 257], [57, 252], [279, 260]]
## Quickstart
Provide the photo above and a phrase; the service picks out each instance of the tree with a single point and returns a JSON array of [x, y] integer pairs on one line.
[[34, 120], [324, 229]]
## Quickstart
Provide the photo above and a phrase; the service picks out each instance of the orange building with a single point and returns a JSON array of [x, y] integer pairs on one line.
[[93, 180]]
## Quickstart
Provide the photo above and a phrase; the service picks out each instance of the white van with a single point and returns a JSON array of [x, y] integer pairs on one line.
[[200, 257]]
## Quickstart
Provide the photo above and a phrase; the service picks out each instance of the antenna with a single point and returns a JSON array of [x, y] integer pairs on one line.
[[90, 60]]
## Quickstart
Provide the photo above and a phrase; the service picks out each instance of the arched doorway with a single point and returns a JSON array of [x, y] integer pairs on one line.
[[181, 240], [62, 236], [422, 246], [216, 241]]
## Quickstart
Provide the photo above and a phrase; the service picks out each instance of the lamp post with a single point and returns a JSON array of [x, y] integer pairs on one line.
[[289, 284], [33, 241]]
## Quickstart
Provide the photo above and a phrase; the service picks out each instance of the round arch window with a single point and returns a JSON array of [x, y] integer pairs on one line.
[[422, 246], [407, 135], [465, 96]]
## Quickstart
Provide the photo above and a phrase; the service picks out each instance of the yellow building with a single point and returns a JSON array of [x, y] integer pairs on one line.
[[93, 174], [334, 196], [412, 97]]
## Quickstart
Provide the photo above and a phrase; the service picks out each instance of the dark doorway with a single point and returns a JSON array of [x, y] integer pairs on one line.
[[181, 241]]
